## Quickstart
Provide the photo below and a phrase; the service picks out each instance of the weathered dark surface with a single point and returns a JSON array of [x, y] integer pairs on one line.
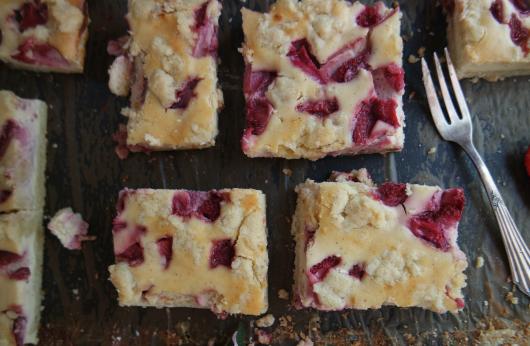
[[83, 172]]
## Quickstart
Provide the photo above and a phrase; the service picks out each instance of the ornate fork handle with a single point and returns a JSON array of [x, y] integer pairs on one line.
[[516, 248]]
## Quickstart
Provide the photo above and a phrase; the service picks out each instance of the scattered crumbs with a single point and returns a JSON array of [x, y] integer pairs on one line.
[[421, 52], [479, 262], [510, 298], [288, 172], [230, 20], [502, 136], [266, 181], [55, 146], [486, 303], [475, 80], [75, 291], [283, 294], [305, 342], [413, 59], [265, 321], [431, 33], [419, 30], [412, 95], [431, 151], [263, 337], [283, 321]]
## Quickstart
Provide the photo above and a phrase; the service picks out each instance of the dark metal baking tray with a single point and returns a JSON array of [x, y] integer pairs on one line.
[[83, 171]]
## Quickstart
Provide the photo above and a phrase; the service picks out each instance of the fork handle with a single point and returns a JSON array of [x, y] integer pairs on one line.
[[516, 248]]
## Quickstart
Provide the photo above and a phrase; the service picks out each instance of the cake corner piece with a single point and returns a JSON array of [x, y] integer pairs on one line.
[[44, 35], [488, 39], [363, 246], [322, 79], [215, 241], [21, 252]]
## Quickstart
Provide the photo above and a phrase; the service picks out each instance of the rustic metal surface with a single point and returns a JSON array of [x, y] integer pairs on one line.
[[83, 172]]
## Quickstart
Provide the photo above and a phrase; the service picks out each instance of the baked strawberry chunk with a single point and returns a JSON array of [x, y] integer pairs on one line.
[[31, 14]]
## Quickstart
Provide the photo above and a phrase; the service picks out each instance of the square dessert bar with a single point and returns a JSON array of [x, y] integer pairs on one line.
[[489, 38], [44, 35], [323, 78], [362, 246], [179, 248], [21, 250], [168, 64], [22, 153]]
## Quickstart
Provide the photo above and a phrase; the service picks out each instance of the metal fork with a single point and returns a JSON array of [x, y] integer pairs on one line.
[[459, 129]]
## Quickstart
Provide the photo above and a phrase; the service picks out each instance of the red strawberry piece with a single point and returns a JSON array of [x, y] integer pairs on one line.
[[388, 81], [430, 225], [426, 228], [7, 257], [258, 115], [321, 108], [357, 271], [350, 68], [31, 14], [185, 94], [222, 253], [497, 10], [206, 33], [19, 330], [300, 56], [370, 16], [117, 47], [259, 108], [309, 236], [4, 195], [203, 205], [20, 274], [165, 249], [321, 269], [34, 53], [451, 206], [134, 255], [527, 161], [120, 138], [519, 33], [392, 194], [367, 115], [256, 83], [522, 5]]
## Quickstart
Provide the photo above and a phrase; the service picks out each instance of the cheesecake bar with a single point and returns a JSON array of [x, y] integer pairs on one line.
[[22, 153], [69, 228], [44, 35], [322, 78], [489, 38], [363, 246], [168, 65], [21, 249], [180, 248]]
